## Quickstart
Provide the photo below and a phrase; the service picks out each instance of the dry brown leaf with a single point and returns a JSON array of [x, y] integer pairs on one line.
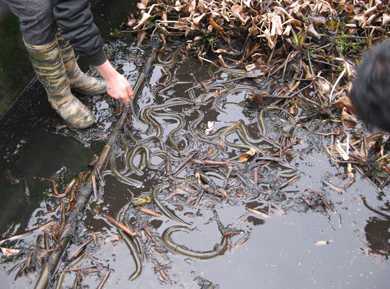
[[145, 17], [371, 10], [149, 212], [250, 67], [8, 252], [348, 7], [247, 155], [131, 22], [182, 25], [247, 3], [277, 27], [222, 61], [348, 119], [317, 20], [141, 5], [345, 102], [287, 30], [323, 86], [270, 39], [202, 180], [386, 168], [192, 6], [258, 98], [178, 6], [361, 19], [140, 37], [294, 23], [120, 225], [313, 32], [258, 213], [385, 19], [323, 243], [221, 51], [293, 109], [216, 26], [164, 17], [196, 20], [238, 12]]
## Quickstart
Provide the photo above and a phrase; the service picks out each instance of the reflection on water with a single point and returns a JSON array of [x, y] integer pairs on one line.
[[378, 236], [378, 229]]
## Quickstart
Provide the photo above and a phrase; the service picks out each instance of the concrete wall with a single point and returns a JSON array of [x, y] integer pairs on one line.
[[3, 10], [15, 68]]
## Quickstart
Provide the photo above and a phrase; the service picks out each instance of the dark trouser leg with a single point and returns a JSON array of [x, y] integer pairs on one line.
[[36, 20]]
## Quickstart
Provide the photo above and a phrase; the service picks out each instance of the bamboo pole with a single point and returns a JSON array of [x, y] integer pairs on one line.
[[50, 267]]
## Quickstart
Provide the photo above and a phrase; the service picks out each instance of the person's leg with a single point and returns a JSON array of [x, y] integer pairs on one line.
[[79, 81], [47, 62], [39, 35], [36, 20]]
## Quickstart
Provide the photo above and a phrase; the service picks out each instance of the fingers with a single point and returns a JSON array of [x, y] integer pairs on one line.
[[125, 98], [120, 89], [130, 93], [127, 93]]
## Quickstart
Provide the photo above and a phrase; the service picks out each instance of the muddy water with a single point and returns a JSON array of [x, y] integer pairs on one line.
[[297, 246]]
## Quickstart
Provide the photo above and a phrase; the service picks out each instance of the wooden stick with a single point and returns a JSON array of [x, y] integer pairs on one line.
[[49, 268]]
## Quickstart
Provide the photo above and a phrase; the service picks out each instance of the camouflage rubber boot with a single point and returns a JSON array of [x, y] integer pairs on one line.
[[79, 81], [47, 62]]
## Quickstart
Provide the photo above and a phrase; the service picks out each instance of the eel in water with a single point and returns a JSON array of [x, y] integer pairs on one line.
[[219, 249]]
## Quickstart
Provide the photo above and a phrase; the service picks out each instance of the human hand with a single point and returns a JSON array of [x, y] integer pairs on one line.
[[117, 85], [119, 88]]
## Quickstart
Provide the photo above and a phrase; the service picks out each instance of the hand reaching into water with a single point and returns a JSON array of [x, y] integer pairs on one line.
[[117, 85]]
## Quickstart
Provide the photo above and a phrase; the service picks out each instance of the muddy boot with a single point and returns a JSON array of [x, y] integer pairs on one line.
[[47, 62], [79, 81]]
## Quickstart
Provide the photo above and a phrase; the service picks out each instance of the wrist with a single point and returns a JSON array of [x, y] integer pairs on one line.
[[107, 71]]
